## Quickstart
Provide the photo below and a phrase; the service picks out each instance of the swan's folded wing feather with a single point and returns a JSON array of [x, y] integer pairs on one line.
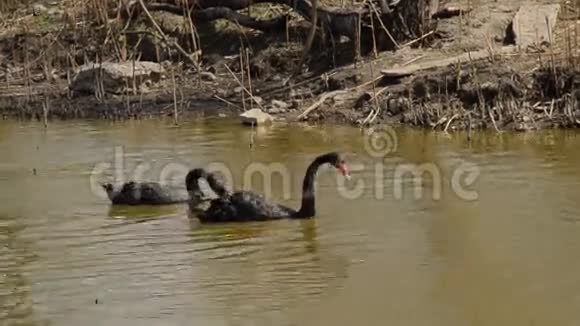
[[249, 204]]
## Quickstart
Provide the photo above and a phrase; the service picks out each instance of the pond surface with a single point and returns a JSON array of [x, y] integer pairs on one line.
[[388, 254]]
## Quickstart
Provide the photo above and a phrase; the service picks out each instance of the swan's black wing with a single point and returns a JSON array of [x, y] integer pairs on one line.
[[127, 194], [153, 193], [253, 206], [244, 206], [146, 193]]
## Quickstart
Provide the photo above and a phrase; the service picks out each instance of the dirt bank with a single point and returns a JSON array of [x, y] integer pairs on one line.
[[500, 86]]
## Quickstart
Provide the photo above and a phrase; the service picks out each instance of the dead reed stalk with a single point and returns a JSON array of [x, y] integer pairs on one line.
[[552, 58], [374, 9], [243, 87], [164, 37], [376, 55], [175, 117], [195, 39], [249, 75], [243, 74]]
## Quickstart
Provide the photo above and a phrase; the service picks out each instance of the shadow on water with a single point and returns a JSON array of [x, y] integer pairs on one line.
[[127, 215], [143, 212], [256, 270], [221, 233]]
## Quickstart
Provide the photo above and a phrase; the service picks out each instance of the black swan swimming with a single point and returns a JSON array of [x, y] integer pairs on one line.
[[144, 193], [153, 193], [242, 206]]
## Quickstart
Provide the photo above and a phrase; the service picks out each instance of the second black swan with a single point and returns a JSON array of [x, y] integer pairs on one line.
[[153, 193], [242, 206], [144, 193]]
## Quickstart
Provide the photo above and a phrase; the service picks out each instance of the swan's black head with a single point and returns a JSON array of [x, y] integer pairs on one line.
[[337, 160], [108, 187], [192, 177]]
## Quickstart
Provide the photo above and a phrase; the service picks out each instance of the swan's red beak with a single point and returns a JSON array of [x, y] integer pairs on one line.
[[343, 169]]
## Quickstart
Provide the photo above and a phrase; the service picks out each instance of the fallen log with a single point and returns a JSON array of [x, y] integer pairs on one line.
[[450, 11], [340, 21], [462, 58], [215, 13], [318, 103], [404, 18]]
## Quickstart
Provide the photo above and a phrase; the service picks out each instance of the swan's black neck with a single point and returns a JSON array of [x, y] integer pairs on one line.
[[308, 203], [192, 182]]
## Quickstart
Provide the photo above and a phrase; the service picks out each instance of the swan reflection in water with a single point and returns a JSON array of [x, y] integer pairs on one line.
[[243, 260]]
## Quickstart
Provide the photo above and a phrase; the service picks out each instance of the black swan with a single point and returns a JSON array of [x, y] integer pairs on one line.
[[153, 193], [144, 193], [242, 206]]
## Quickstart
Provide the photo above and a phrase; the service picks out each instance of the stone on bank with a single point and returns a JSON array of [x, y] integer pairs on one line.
[[255, 117], [115, 77]]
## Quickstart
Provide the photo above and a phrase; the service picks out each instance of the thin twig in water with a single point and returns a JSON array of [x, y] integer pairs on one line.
[[252, 136], [469, 130], [45, 107]]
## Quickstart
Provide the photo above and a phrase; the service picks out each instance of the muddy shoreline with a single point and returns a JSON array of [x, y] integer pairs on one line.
[[506, 88], [481, 96]]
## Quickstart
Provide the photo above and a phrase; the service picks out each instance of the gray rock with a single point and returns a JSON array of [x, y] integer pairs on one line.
[[343, 39], [522, 127], [115, 76], [55, 12], [255, 117], [39, 9], [258, 100], [238, 89], [529, 25], [280, 105]]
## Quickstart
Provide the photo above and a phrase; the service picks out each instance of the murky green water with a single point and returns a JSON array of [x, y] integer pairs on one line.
[[382, 257]]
